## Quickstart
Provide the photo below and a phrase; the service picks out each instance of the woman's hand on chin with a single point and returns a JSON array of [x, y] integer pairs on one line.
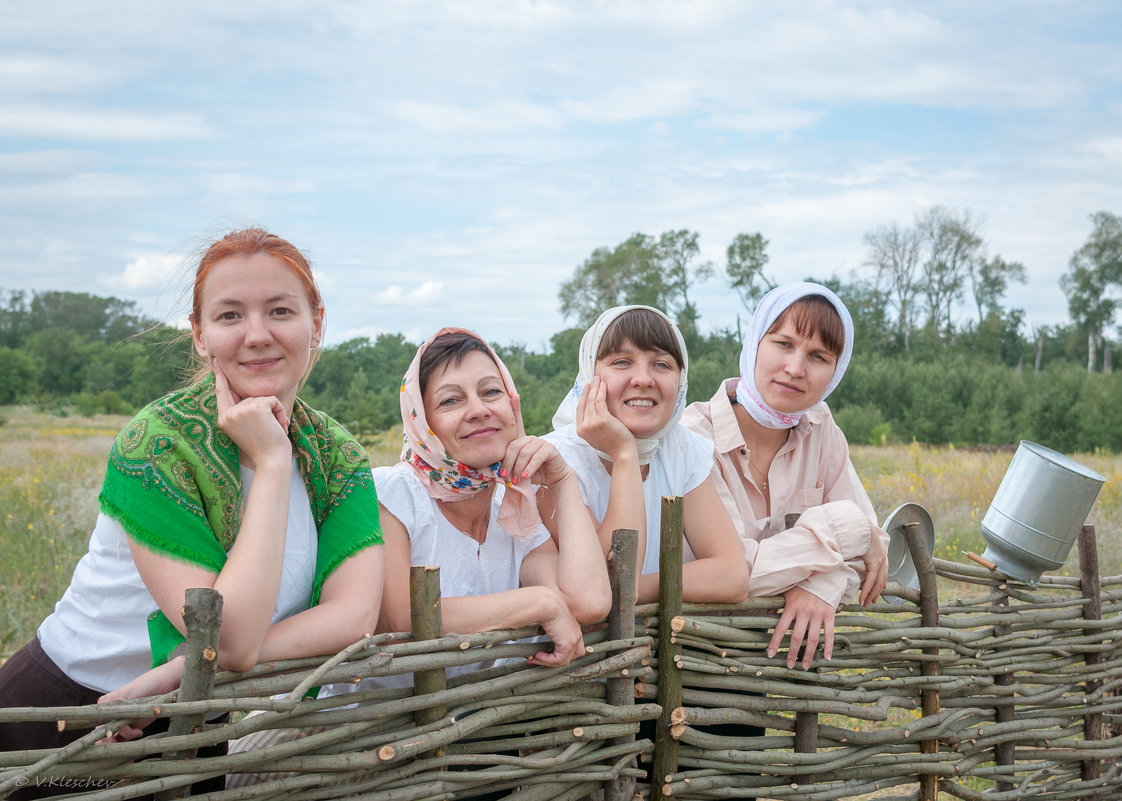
[[532, 457], [599, 427], [535, 459], [259, 426]]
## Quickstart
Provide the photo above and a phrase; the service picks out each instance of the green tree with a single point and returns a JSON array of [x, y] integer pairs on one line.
[[14, 319], [631, 272], [678, 253], [745, 260], [989, 280], [60, 358], [18, 374], [1093, 270], [893, 253], [91, 316], [952, 244]]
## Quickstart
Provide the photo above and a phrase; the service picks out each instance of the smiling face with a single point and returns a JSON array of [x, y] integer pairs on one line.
[[642, 387], [792, 369], [256, 320], [469, 410]]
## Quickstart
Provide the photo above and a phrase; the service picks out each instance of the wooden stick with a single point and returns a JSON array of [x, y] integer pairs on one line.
[[202, 617], [1003, 752], [427, 623], [983, 561], [929, 615], [669, 675], [1092, 591], [621, 625], [806, 723]]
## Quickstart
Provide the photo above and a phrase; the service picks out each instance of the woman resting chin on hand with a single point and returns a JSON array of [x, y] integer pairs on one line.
[[465, 498], [232, 483]]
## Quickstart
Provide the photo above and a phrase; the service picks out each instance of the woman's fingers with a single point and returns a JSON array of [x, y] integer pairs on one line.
[[222, 393], [277, 408], [875, 581], [516, 404], [534, 459], [876, 569]]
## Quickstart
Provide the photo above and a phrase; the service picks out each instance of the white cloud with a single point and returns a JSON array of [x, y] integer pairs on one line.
[[26, 74], [646, 100], [149, 271], [464, 120], [427, 292], [101, 124]]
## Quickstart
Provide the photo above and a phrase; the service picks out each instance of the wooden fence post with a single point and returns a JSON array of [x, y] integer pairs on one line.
[[425, 619], [1092, 610], [202, 617], [621, 626], [1003, 753], [929, 616], [806, 723], [669, 652]]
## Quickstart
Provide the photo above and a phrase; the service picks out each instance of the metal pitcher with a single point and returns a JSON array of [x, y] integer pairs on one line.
[[1042, 502]]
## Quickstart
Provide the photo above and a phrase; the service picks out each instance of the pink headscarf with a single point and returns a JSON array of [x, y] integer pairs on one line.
[[443, 477]]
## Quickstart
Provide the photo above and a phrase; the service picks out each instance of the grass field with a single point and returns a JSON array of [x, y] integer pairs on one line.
[[51, 468]]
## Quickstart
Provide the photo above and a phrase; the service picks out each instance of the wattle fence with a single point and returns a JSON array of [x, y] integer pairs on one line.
[[998, 690]]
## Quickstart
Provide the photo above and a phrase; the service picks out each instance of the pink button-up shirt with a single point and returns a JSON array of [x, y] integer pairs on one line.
[[811, 475]]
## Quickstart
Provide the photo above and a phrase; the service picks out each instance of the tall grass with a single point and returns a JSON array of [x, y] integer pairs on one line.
[[50, 473], [51, 469]]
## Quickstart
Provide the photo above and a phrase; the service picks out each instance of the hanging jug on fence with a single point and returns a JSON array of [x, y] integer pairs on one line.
[[1035, 516]]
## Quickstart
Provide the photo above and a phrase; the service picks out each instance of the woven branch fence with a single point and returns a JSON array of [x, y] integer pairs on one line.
[[1005, 691]]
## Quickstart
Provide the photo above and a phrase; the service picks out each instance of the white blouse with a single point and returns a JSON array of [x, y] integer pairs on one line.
[[681, 464], [98, 632]]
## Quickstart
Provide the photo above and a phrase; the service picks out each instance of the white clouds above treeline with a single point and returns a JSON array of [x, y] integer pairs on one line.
[[453, 162]]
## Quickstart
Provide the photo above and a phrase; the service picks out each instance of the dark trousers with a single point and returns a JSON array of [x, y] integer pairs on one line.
[[31, 678]]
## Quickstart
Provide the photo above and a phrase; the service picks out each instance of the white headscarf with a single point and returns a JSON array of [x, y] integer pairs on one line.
[[586, 368], [773, 304]]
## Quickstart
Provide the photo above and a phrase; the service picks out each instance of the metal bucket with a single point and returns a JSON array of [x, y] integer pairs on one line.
[[1035, 517]]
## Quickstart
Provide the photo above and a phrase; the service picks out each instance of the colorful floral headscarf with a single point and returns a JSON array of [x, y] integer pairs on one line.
[[566, 413], [773, 304], [443, 477]]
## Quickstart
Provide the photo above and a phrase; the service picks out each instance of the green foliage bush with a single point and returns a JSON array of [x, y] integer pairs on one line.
[[863, 425], [978, 388]]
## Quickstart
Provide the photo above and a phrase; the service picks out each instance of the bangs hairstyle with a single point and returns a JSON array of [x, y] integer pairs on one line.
[[645, 330], [812, 315], [444, 349]]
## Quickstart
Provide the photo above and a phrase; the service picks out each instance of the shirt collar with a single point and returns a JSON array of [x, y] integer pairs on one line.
[[726, 429]]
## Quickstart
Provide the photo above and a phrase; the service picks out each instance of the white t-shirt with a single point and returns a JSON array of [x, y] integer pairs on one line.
[[466, 566], [98, 632], [681, 463]]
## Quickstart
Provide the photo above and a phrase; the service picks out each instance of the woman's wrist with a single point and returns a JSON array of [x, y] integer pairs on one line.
[[567, 478]]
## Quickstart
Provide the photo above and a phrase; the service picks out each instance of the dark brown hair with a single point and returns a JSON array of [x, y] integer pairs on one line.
[[811, 315], [645, 330], [451, 347]]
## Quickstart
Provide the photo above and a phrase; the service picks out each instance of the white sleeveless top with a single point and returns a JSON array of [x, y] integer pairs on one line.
[[98, 632], [466, 566], [681, 463]]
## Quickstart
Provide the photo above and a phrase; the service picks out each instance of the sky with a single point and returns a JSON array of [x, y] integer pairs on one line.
[[452, 163]]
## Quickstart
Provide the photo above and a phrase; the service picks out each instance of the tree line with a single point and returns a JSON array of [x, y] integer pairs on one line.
[[923, 368]]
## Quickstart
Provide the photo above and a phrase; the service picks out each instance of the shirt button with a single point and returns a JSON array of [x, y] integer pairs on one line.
[[743, 451]]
